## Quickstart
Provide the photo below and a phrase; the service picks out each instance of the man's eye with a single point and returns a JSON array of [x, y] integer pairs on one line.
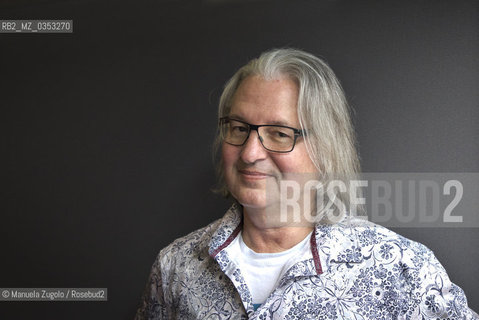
[[239, 129], [281, 134]]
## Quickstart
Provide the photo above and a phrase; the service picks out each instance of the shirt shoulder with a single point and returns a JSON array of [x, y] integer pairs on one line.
[[389, 245], [190, 245]]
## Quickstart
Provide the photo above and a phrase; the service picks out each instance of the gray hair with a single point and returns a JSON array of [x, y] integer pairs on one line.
[[322, 110]]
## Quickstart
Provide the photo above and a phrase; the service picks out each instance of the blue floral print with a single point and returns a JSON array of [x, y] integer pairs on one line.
[[356, 270]]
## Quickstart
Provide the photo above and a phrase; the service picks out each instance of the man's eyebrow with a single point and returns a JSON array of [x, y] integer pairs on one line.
[[274, 122]]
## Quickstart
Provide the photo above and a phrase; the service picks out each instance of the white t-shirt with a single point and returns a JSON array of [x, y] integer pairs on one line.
[[263, 271]]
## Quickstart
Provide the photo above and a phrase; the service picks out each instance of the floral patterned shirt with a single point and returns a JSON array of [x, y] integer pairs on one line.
[[356, 270]]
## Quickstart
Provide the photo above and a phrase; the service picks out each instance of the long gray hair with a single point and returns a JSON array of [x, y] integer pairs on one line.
[[322, 110]]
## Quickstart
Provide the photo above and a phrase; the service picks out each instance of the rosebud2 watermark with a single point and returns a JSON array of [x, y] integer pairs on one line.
[[389, 199]]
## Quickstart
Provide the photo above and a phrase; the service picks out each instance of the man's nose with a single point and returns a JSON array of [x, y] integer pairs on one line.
[[253, 149]]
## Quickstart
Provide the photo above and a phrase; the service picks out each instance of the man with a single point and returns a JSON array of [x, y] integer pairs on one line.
[[283, 117]]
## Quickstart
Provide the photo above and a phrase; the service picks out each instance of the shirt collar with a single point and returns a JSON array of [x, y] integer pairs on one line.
[[335, 243], [229, 227], [338, 243]]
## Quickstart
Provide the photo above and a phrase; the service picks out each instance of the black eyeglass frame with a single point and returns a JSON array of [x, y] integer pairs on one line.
[[297, 132]]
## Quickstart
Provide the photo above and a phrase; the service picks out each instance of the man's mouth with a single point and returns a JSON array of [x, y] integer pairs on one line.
[[253, 174]]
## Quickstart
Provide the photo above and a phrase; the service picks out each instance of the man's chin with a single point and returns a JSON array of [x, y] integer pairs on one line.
[[258, 203], [255, 197], [251, 200]]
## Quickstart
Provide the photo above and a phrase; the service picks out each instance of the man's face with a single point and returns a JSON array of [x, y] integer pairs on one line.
[[253, 173]]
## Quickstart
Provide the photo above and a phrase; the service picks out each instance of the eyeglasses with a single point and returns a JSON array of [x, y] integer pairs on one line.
[[274, 138]]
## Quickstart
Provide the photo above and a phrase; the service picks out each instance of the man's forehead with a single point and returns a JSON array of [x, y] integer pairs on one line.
[[261, 101], [280, 121]]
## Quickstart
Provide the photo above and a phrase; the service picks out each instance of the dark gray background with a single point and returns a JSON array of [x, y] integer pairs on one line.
[[105, 134]]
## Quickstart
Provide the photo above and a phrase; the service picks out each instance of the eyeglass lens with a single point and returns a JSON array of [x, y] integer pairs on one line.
[[273, 138]]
